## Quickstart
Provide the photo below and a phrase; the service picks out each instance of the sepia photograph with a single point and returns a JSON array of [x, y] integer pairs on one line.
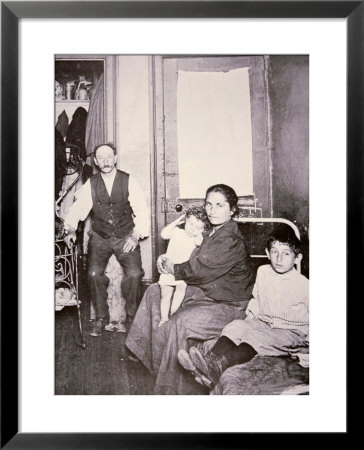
[[181, 224]]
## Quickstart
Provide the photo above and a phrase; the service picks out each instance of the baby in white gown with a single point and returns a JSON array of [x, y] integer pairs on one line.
[[182, 242]]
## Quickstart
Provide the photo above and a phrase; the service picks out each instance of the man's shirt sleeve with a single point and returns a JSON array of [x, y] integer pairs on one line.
[[81, 208]]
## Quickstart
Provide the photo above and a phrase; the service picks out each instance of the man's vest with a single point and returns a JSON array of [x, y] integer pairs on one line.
[[111, 214]]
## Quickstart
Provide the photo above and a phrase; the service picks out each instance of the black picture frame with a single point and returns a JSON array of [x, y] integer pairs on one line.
[[11, 12]]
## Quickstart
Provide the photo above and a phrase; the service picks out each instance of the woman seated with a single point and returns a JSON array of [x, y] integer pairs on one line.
[[219, 277]]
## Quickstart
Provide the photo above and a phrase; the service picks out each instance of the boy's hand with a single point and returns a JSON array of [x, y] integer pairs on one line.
[[299, 349]]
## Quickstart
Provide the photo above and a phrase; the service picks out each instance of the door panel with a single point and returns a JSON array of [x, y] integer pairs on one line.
[[166, 73]]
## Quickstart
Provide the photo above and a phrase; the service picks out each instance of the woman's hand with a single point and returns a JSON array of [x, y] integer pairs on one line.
[[165, 265], [168, 266], [160, 261]]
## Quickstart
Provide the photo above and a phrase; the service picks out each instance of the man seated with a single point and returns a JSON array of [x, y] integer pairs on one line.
[[277, 316], [119, 219]]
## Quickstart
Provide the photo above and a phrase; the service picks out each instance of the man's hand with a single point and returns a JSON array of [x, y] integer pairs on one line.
[[131, 242], [70, 239]]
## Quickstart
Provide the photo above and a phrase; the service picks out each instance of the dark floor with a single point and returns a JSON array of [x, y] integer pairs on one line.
[[101, 368]]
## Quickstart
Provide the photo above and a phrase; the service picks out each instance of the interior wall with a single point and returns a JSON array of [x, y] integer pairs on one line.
[[133, 132], [289, 99], [288, 78]]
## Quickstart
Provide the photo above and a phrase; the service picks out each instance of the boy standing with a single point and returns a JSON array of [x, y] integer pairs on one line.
[[277, 316]]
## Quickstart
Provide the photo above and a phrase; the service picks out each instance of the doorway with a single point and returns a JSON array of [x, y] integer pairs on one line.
[[177, 76]]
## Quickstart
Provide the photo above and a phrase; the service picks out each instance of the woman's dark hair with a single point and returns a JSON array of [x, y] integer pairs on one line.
[[285, 235], [199, 212], [228, 193]]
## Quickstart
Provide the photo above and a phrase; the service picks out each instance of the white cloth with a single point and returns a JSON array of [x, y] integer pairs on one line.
[[83, 205], [219, 102]]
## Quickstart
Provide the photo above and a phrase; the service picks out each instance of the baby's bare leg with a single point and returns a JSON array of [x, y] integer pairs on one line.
[[166, 296], [179, 295]]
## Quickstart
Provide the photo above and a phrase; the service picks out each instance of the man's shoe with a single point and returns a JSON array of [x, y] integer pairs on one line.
[[97, 327], [185, 361], [210, 365], [119, 327]]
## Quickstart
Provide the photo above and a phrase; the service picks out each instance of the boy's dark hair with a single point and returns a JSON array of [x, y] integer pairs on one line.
[[285, 235], [200, 213]]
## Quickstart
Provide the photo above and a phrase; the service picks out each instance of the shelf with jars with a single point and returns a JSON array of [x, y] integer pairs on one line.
[[74, 81], [75, 78], [75, 90]]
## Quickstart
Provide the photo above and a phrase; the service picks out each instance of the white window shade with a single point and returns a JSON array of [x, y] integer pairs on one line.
[[214, 131]]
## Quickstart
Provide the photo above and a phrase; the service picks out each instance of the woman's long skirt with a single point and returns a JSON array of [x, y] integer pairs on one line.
[[198, 319]]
